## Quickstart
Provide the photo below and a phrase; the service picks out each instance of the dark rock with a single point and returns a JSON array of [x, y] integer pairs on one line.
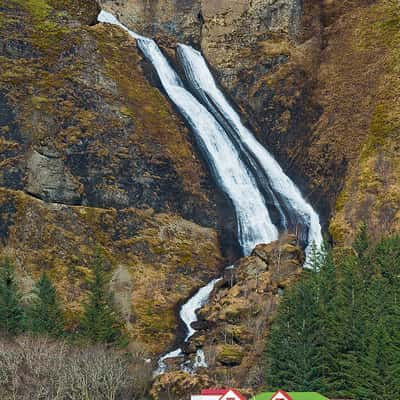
[[15, 48], [188, 348], [200, 325]]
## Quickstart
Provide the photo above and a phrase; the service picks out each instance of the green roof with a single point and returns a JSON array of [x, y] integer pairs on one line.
[[293, 395]]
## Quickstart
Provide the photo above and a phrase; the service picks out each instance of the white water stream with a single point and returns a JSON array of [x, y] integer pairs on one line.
[[227, 159], [188, 316], [202, 81]]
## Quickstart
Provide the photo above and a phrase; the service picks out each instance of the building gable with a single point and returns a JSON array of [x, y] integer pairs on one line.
[[281, 395], [232, 395]]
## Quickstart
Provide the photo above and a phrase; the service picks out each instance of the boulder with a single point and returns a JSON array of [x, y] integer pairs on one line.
[[229, 354], [48, 179]]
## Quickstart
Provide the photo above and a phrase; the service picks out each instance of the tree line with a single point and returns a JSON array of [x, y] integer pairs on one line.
[[43, 314], [337, 330]]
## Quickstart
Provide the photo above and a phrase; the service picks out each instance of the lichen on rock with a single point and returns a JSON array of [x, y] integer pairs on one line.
[[234, 326], [94, 156]]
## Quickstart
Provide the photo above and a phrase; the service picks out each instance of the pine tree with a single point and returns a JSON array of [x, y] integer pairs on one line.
[[374, 379], [362, 249], [387, 259], [327, 285], [350, 331], [361, 242], [12, 316], [46, 315], [100, 322], [293, 360], [337, 330]]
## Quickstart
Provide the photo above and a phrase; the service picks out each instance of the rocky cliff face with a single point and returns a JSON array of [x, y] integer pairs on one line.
[[93, 155], [316, 80], [233, 327]]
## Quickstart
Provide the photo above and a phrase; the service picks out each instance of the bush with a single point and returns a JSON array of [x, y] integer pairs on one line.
[[41, 368]]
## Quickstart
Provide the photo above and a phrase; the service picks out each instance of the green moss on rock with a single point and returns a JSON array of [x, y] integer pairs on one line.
[[230, 354]]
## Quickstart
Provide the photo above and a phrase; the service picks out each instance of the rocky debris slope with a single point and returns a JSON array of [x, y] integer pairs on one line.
[[91, 154], [316, 79], [233, 326]]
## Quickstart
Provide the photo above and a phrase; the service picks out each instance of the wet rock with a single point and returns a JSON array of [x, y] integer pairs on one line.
[[200, 325], [188, 348], [241, 310], [181, 19]]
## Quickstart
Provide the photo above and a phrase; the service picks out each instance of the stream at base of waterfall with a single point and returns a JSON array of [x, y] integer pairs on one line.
[[241, 167]]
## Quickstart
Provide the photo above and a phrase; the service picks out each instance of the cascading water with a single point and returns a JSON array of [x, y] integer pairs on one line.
[[297, 209], [188, 316], [253, 219], [242, 168]]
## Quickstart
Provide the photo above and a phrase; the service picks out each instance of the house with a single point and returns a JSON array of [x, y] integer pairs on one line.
[[282, 395], [218, 394]]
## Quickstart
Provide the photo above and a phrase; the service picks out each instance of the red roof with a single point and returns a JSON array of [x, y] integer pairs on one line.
[[283, 393], [221, 392]]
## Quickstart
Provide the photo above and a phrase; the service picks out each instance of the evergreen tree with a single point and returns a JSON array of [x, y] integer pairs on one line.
[[337, 330], [386, 257], [293, 360], [46, 315], [362, 250], [361, 242], [12, 317], [374, 378], [326, 316], [100, 322], [350, 330]]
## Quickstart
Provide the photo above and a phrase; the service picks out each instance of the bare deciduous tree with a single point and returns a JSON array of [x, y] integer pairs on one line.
[[44, 369]]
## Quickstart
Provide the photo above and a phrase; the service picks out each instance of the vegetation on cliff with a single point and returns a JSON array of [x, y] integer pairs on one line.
[[371, 190], [45, 312], [336, 330], [92, 154], [12, 315], [41, 312]]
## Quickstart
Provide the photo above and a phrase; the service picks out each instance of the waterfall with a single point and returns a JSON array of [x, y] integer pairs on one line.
[[240, 165], [297, 210], [188, 316], [188, 310], [230, 172]]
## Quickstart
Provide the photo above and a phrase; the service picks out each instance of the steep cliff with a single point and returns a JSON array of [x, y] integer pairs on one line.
[[317, 82], [93, 155], [233, 327]]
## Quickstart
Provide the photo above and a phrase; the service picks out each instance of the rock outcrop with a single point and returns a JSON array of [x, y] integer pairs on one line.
[[48, 179], [233, 327]]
